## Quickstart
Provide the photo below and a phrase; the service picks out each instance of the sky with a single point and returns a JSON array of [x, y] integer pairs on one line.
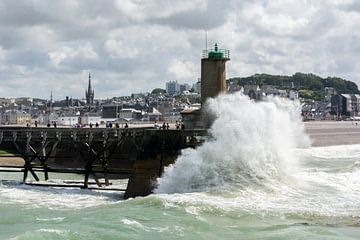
[[133, 46]]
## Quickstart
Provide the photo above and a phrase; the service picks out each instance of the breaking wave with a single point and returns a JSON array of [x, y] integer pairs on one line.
[[252, 144]]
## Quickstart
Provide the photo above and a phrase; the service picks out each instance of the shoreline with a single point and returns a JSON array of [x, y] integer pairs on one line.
[[330, 133]]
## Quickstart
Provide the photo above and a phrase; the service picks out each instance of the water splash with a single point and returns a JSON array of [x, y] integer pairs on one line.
[[252, 144]]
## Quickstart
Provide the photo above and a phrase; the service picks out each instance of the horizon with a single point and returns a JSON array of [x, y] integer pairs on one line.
[[148, 92]]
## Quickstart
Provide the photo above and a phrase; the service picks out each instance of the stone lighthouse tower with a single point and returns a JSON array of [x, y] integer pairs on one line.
[[213, 82], [213, 72]]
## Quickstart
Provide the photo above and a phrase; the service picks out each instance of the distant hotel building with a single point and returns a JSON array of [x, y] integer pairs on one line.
[[173, 88]]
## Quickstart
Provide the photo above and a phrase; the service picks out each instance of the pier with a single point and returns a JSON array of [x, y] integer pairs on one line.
[[101, 154]]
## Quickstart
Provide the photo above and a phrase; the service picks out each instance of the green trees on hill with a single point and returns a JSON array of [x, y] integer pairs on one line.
[[309, 85], [158, 91]]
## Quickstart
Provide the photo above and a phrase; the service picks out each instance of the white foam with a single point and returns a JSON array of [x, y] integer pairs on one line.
[[252, 141], [317, 193], [54, 219], [57, 231], [55, 198], [337, 152], [259, 161]]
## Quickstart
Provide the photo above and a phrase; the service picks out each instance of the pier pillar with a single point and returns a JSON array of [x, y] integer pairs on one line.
[[143, 180]]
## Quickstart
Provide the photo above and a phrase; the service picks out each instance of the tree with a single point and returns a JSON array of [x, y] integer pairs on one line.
[[158, 91], [309, 85]]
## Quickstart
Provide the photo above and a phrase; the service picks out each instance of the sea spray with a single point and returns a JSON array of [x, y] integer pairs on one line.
[[252, 144]]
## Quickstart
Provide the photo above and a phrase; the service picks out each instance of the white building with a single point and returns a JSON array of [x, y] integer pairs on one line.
[[70, 120], [293, 95], [129, 114], [90, 119]]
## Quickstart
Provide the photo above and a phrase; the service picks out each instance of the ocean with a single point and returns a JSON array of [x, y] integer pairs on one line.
[[257, 177]]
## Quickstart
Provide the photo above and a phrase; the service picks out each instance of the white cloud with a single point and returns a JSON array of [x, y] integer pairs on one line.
[[137, 45], [183, 70], [2, 54], [87, 52], [119, 49], [60, 55], [65, 53]]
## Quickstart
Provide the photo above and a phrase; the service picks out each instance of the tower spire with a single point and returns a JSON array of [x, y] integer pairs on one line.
[[89, 94], [89, 86], [50, 103]]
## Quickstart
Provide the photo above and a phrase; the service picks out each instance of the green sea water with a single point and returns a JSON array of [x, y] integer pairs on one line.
[[329, 208]]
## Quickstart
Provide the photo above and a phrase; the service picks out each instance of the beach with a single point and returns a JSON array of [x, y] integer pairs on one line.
[[329, 133]]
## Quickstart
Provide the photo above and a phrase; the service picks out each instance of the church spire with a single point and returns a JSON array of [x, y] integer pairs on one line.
[[50, 103], [89, 93], [89, 86]]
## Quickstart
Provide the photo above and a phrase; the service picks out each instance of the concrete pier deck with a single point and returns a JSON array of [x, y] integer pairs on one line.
[[322, 133]]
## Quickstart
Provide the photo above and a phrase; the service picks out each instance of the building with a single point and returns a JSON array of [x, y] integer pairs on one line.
[[293, 95], [184, 87], [196, 87], [172, 87], [51, 118], [235, 88], [345, 104], [111, 110], [253, 91], [90, 118], [269, 90], [138, 95], [329, 92], [89, 93], [16, 117], [128, 114], [153, 115], [68, 120]]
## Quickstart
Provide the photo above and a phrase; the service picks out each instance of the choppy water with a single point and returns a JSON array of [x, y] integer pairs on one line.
[[266, 186]]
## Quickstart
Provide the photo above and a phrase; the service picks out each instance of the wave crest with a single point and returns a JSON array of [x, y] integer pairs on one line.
[[252, 144]]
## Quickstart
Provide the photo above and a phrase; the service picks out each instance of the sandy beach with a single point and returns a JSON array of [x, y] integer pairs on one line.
[[333, 133]]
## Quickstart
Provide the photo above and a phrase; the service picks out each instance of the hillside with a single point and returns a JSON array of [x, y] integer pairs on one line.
[[309, 85]]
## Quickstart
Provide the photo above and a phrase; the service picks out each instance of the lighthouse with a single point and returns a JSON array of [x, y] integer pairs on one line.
[[213, 82], [213, 72]]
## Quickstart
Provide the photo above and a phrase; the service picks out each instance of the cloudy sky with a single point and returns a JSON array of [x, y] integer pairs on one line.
[[136, 45]]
